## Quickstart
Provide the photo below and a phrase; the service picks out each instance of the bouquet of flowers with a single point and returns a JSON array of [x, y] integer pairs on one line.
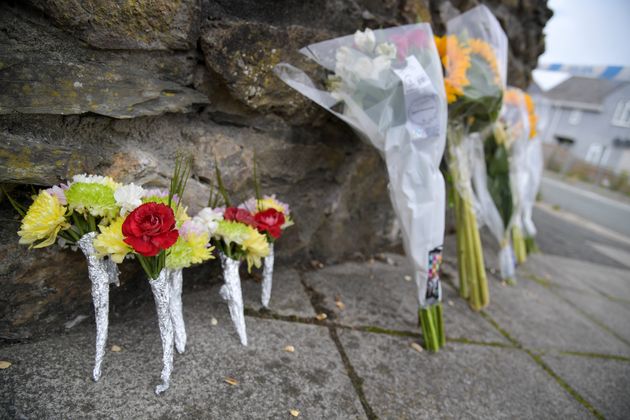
[[155, 228], [272, 216], [474, 58], [517, 123], [387, 85], [237, 238], [494, 179], [71, 215], [534, 166]]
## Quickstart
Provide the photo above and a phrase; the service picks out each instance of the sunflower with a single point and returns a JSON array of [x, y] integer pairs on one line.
[[456, 61], [485, 51]]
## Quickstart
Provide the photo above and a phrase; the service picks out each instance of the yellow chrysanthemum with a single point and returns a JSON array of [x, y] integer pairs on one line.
[[43, 221], [531, 111], [189, 250], [485, 51], [181, 215], [256, 247], [269, 203], [111, 241], [456, 62]]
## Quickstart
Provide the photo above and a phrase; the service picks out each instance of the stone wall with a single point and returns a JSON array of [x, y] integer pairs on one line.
[[120, 87]]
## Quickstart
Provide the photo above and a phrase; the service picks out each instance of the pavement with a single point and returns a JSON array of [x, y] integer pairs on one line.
[[556, 345]]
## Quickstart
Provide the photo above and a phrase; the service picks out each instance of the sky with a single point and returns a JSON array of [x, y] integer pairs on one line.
[[588, 32], [585, 32]]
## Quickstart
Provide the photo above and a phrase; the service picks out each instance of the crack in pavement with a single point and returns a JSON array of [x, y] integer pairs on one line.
[[544, 366], [317, 300], [578, 309]]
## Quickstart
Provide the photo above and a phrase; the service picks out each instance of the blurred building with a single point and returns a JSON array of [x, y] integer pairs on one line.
[[589, 118]]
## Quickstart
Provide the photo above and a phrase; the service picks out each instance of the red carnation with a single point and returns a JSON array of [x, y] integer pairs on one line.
[[150, 228], [234, 214], [270, 221]]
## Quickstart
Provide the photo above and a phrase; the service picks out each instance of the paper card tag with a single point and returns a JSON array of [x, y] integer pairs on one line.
[[421, 100], [433, 292]]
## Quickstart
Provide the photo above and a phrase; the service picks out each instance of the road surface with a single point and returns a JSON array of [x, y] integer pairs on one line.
[[605, 211]]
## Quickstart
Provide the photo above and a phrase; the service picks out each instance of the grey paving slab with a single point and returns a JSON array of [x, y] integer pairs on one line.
[[460, 381], [537, 318], [603, 383], [614, 315], [288, 296], [582, 275], [377, 294], [51, 379]]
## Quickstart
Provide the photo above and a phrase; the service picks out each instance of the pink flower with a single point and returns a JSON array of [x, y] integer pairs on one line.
[[58, 191], [416, 39]]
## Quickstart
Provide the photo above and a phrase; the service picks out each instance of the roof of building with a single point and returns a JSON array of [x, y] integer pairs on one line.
[[583, 92]]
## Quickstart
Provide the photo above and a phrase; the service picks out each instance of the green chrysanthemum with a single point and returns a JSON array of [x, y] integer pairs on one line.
[[252, 244], [232, 232], [94, 199], [189, 251]]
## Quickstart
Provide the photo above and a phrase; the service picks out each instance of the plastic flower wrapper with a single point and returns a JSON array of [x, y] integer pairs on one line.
[[474, 57], [507, 166], [388, 86], [518, 127], [534, 165], [494, 176]]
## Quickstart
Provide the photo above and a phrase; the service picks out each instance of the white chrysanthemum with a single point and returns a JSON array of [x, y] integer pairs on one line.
[[128, 197], [386, 49], [192, 226], [96, 179], [343, 61], [365, 40], [209, 218]]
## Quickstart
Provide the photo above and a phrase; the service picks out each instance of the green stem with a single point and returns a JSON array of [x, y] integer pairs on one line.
[[429, 331], [72, 234], [78, 223], [92, 223], [471, 269], [145, 266], [461, 240], [440, 324]]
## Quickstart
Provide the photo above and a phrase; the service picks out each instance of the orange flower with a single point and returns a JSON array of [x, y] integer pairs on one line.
[[531, 112], [485, 51], [512, 97], [456, 62]]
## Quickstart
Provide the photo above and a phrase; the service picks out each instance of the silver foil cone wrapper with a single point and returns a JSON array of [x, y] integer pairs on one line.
[[102, 272], [231, 292], [161, 288], [177, 315], [267, 282]]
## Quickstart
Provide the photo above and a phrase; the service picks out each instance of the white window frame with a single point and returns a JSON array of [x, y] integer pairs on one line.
[[575, 116], [621, 116], [594, 153]]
